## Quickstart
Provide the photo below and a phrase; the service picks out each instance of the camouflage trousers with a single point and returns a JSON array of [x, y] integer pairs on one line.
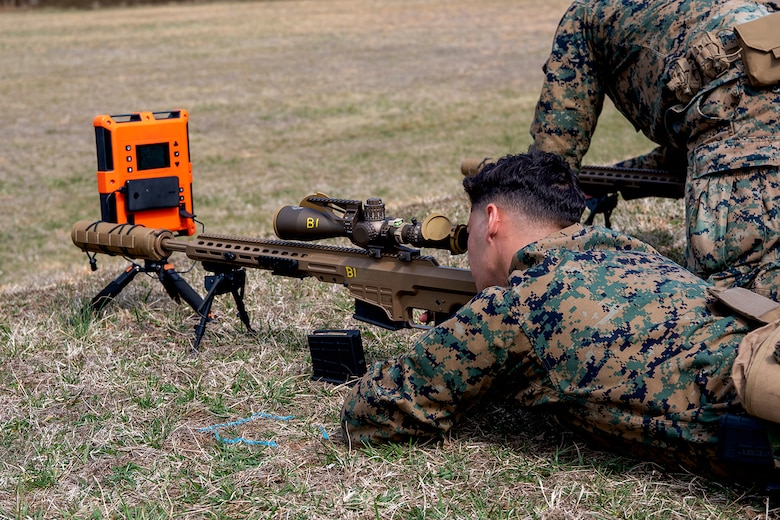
[[733, 227]]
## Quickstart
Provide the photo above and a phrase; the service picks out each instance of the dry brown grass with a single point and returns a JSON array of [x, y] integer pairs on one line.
[[100, 415]]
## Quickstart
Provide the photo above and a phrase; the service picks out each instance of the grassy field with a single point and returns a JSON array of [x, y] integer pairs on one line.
[[101, 415]]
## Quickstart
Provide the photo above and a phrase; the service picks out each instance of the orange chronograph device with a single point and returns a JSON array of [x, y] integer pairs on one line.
[[144, 170]]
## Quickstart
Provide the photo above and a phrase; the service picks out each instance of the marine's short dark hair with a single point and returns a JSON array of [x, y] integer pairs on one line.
[[539, 184]]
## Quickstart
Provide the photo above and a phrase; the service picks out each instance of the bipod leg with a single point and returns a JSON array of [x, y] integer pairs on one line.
[[213, 283], [111, 290], [237, 287], [223, 281], [603, 204]]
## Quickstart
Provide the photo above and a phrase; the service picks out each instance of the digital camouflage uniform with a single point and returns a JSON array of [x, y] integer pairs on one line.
[[596, 327], [647, 56]]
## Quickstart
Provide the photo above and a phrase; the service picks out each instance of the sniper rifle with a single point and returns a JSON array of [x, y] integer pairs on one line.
[[602, 184], [386, 274]]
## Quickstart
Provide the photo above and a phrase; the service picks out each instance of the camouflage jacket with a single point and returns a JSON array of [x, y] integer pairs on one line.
[[619, 342], [628, 50]]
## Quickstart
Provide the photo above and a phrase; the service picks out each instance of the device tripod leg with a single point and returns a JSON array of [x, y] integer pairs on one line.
[[110, 292], [177, 287]]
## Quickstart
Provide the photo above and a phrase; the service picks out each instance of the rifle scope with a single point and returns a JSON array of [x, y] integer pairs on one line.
[[367, 226]]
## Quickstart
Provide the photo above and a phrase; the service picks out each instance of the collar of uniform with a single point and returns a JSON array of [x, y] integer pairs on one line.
[[531, 254], [577, 238]]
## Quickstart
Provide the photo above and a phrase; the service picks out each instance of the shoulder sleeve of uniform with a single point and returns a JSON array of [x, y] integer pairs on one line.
[[422, 393], [572, 95]]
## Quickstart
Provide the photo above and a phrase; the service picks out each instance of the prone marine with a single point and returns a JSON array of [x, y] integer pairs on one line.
[[618, 342]]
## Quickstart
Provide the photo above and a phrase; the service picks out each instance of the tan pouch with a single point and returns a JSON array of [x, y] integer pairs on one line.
[[759, 42], [756, 373], [748, 304], [685, 80]]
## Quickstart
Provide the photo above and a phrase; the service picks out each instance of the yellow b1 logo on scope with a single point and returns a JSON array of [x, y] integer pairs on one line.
[[312, 223]]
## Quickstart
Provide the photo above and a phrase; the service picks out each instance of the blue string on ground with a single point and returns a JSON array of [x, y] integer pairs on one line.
[[235, 440], [259, 415]]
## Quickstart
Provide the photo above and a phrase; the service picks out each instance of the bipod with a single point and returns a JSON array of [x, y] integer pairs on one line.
[[603, 204], [176, 286], [225, 280]]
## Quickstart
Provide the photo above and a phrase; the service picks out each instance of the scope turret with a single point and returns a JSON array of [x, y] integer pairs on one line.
[[318, 217]]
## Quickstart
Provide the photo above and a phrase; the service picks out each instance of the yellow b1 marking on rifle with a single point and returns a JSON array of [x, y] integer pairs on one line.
[[351, 272], [312, 223]]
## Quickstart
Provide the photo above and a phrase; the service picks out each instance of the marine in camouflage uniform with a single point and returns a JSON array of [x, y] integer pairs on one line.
[[671, 68], [622, 344]]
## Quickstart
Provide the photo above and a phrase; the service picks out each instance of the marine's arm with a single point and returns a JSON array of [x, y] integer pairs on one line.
[[424, 392], [572, 96]]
